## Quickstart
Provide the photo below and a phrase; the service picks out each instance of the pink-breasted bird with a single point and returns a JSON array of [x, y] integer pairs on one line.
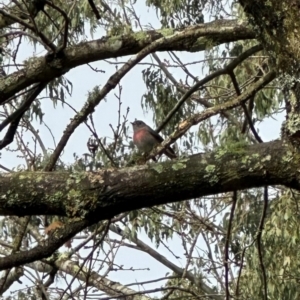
[[145, 138]]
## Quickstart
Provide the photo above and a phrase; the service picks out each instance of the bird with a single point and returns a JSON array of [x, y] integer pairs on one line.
[[145, 138]]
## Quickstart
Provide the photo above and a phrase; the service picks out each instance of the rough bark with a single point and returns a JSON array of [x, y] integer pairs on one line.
[[104, 194], [276, 24]]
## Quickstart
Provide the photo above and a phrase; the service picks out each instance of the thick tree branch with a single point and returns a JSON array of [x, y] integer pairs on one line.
[[56, 240], [192, 39], [278, 27], [104, 194]]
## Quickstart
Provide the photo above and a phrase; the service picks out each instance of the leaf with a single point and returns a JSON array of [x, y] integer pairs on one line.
[[53, 226]]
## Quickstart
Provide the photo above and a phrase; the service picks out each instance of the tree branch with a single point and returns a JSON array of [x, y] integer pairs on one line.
[[106, 193], [226, 70], [197, 118], [192, 39], [163, 260], [15, 118]]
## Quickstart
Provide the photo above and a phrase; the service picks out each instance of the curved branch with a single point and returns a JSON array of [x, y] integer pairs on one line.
[[15, 118], [192, 39], [42, 251], [247, 114]]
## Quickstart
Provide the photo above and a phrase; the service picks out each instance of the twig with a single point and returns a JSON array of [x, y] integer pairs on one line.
[[19, 33], [6, 169], [93, 131], [189, 258], [29, 126], [94, 9], [260, 229], [175, 288], [66, 25], [9, 136], [22, 108], [248, 117], [227, 241]]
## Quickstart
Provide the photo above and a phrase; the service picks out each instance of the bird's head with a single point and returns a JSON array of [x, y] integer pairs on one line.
[[137, 124]]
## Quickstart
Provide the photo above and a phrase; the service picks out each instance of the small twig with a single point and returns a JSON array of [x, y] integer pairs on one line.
[[66, 25], [94, 9], [16, 247], [189, 257], [19, 33], [227, 241], [29, 126], [210, 256], [183, 67], [93, 131], [175, 288], [248, 117], [51, 133], [260, 229]]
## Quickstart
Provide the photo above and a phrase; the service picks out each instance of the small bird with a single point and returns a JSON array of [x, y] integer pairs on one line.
[[145, 138]]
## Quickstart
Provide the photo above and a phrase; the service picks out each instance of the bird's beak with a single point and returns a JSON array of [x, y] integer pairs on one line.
[[131, 123]]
